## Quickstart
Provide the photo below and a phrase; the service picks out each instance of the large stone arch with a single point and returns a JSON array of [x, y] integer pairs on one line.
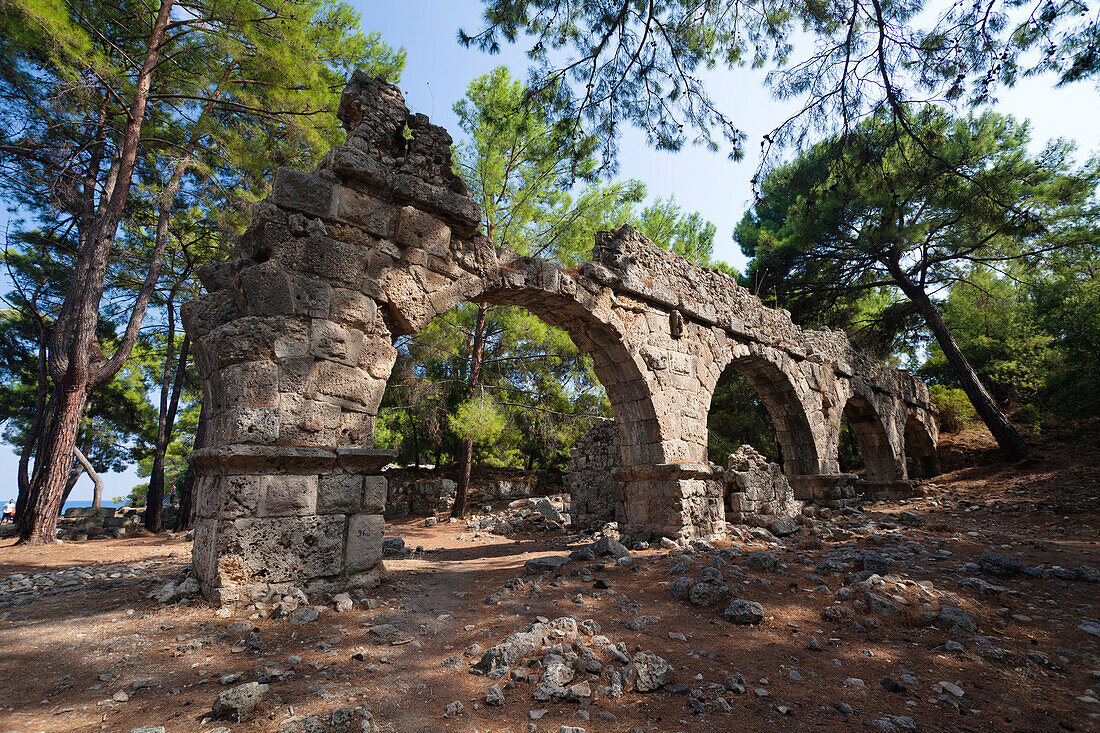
[[294, 342], [549, 293], [780, 394]]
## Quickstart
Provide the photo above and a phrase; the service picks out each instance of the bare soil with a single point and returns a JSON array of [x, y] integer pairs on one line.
[[64, 657]]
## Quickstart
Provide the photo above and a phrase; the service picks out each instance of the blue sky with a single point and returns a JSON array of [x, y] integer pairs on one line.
[[438, 71]]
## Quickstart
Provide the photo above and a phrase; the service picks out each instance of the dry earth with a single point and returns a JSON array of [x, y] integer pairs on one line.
[[94, 652]]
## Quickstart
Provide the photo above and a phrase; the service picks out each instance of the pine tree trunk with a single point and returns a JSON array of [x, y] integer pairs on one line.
[[97, 480], [155, 498], [185, 516], [1009, 440], [38, 524], [74, 333], [466, 452]]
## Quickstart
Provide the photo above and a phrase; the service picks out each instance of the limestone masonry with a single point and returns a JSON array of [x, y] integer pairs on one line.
[[294, 343]]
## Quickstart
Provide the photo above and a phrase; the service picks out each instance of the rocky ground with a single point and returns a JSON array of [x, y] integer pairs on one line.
[[971, 608]]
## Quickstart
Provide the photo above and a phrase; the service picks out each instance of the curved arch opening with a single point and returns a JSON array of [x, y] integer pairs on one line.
[[874, 451], [921, 459], [754, 403], [550, 369]]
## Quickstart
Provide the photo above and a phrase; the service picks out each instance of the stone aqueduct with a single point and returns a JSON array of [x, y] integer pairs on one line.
[[294, 342]]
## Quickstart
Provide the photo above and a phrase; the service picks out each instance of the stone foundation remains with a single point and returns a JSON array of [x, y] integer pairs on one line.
[[595, 496], [294, 343], [755, 486]]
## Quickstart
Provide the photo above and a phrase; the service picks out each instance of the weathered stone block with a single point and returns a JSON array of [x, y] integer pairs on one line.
[[365, 211], [204, 314], [288, 496], [294, 374], [282, 550], [356, 427], [310, 195], [265, 290], [377, 356], [336, 261], [375, 489], [339, 493], [307, 422], [352, 308], [206, 496], [312, 296], [237, 496], [348, 383], [364, 545], [248, 384], [247, 425], [329, 340], [423, 231]]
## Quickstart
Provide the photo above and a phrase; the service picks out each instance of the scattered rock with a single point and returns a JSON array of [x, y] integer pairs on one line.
[[647, 672], [1000, 565], [238, 702], [494, 697], [303, 615], [744, 612]]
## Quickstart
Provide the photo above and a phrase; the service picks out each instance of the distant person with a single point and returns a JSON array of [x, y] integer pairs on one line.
[[9, 511]]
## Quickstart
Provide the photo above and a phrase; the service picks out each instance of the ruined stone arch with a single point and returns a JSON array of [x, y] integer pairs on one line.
[[535, 286], [920, 446], [879, 456], [294, 336], [780, 395]]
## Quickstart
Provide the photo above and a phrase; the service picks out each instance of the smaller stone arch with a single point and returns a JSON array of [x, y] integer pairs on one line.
[[920, 450], [874, 443], [788, 414]]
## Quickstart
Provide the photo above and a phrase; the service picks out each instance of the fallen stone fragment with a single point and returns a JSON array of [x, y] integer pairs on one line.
[[881, 606], [708, 594], [545, 564], [743, 612], [957, 620], [303, 615], [495, 696], [238, 702], [1000, 565], [342, 603], [607, 547], [647, 672], [548, 510]]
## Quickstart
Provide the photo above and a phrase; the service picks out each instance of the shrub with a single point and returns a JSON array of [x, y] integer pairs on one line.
[[956, 412], [1030, 417]]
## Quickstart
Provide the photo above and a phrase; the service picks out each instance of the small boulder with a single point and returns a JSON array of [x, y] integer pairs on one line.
[[647, 672], [765, 562], [1002, 566], [708, 594], [743, 612], [607, 547], [237, 703], [881, 606], [548, 510], [303, 615], [956, 620], [545, 564], [393, 545]]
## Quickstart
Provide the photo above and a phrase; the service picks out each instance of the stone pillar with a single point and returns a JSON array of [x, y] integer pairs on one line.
[[272, 517], [673, 500]]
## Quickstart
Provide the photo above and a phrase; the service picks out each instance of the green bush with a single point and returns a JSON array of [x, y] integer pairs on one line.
[[1030, 417], [956, 412]]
